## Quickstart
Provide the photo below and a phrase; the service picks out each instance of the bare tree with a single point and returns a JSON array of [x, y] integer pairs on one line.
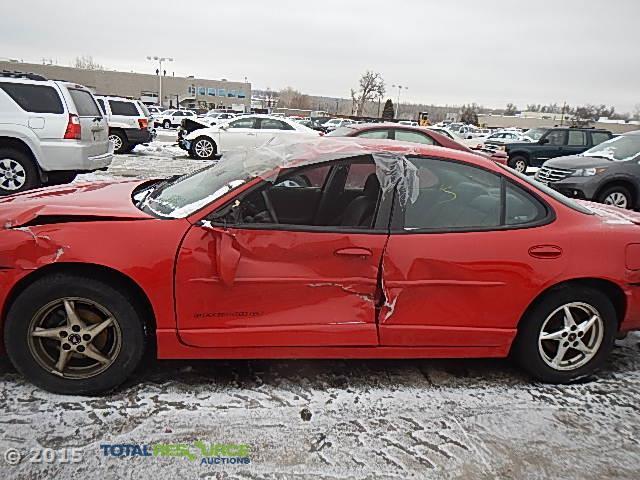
[[291, 98], [86, 62], [511, 109], [371, 87]]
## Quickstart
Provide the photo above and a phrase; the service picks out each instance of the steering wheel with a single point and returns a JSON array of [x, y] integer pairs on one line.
[[269, 205]]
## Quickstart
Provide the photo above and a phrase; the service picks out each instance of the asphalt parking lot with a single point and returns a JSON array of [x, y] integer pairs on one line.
[[332, 419]]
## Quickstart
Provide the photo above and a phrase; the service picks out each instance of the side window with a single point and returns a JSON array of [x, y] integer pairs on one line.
[[358, 175], [34, 98], [271, 124], [453, 196], [243, 123], [101, 105], [297, 198], [599, 137], [380, 134], [413, 137], [177, 114], [577, 138], [128, 109], [556, 137], [520, 207]]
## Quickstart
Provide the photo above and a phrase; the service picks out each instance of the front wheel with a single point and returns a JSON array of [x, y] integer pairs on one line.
[[618, 196], [74, 335], [203, 148], [518, 163], [567, 335]]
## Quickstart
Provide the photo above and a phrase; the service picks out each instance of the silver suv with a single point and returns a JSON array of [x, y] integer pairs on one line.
[[128, 122], [49, 132]]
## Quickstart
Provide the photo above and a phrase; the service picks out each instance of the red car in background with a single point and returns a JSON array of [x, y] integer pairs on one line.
[[334, 248], [408, 133]]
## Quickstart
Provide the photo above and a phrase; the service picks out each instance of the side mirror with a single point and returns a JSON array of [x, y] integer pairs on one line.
[[543, 141]]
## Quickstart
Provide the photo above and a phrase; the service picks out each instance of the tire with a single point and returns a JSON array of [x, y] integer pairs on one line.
[[60, 178], [18, 172], [519, 163], [121, 343], [119, 140], [535, 355], [618, 196], [203, 148], [166, 124]]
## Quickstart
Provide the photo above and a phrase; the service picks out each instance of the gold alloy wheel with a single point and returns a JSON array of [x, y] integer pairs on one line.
[[74, 338]]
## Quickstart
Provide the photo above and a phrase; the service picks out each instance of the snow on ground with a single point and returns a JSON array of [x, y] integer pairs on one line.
[[472, 419]]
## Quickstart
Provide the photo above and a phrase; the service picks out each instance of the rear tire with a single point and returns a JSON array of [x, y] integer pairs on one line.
[[41, 308], [119, 140], [17, 172], [563, 358], [618, 196], [519, 163]]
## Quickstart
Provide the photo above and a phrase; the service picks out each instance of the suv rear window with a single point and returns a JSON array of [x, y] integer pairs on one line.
[[85, 104], [34, 98], [127, 109]]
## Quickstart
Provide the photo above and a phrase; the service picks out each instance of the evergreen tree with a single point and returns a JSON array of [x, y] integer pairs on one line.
[[387, 112]]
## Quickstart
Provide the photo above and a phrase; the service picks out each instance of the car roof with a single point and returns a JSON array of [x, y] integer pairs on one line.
[[633, 132]]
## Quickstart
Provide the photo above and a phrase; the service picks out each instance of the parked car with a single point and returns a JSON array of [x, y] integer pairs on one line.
[[334, 123], [128, 122], [406, 133], [153, 110], [49, 132], [411, 123], [215, 117], [248, 131], [608, 173], [547, 143], [388, 250], [499, 139], [172, 118]]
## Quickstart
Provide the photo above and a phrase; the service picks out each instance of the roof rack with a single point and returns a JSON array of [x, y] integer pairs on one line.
[[28, 76]]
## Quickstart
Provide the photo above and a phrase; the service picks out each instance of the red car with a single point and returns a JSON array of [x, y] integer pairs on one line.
[[337, 248], [407, 133]]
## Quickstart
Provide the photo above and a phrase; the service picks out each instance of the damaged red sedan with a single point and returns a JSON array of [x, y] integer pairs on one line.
[[336, 248]]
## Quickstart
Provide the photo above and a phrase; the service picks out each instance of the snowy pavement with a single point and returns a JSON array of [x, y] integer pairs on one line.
[[471, 419]]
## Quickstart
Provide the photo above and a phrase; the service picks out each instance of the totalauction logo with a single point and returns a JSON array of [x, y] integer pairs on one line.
[[208, 453]]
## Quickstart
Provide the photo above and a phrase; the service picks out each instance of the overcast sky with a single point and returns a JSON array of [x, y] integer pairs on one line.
[[447, 52]]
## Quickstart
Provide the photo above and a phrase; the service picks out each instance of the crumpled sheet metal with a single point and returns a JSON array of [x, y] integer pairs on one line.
[[392, 168]]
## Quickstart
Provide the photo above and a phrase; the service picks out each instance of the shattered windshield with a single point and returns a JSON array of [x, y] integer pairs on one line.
[[186, 195], [618, 149]]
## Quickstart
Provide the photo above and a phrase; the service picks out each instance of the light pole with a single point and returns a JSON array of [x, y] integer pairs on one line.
[[399, 87], [160, 73]]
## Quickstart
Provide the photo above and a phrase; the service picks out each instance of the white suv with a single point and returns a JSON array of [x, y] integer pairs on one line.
[[128, 122], [172, 118], [49, 132]]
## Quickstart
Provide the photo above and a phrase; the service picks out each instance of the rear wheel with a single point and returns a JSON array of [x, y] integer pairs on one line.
[[120, 143], [519, 163], [203, 148], [567, 335], [74, 335], [618, 196], [17, 172]]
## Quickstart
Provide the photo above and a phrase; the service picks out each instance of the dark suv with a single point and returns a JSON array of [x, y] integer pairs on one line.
[[545, 143], [607, 173]]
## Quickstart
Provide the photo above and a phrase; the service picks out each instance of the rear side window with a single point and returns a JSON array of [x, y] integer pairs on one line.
[[102, 106], [373, 134], [577, 138], [127, 109], [599, 137], [34, 98], [521, 208], [85, 104], [271, 124], [413, 137]]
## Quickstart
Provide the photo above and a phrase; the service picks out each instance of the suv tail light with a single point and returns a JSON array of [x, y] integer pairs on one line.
[[143, 122], [73, 132]]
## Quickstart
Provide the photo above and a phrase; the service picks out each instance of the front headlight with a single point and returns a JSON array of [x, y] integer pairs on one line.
[[588, 172]]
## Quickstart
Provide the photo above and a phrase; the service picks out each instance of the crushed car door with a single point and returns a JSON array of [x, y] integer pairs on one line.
[[464, 260], [244, 278]]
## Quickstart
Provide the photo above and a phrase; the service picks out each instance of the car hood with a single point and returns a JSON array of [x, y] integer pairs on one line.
[[75, 202], [577, 161]]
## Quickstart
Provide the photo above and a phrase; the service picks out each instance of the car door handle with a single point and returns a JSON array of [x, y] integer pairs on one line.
[[545, 251], [354, 252]]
